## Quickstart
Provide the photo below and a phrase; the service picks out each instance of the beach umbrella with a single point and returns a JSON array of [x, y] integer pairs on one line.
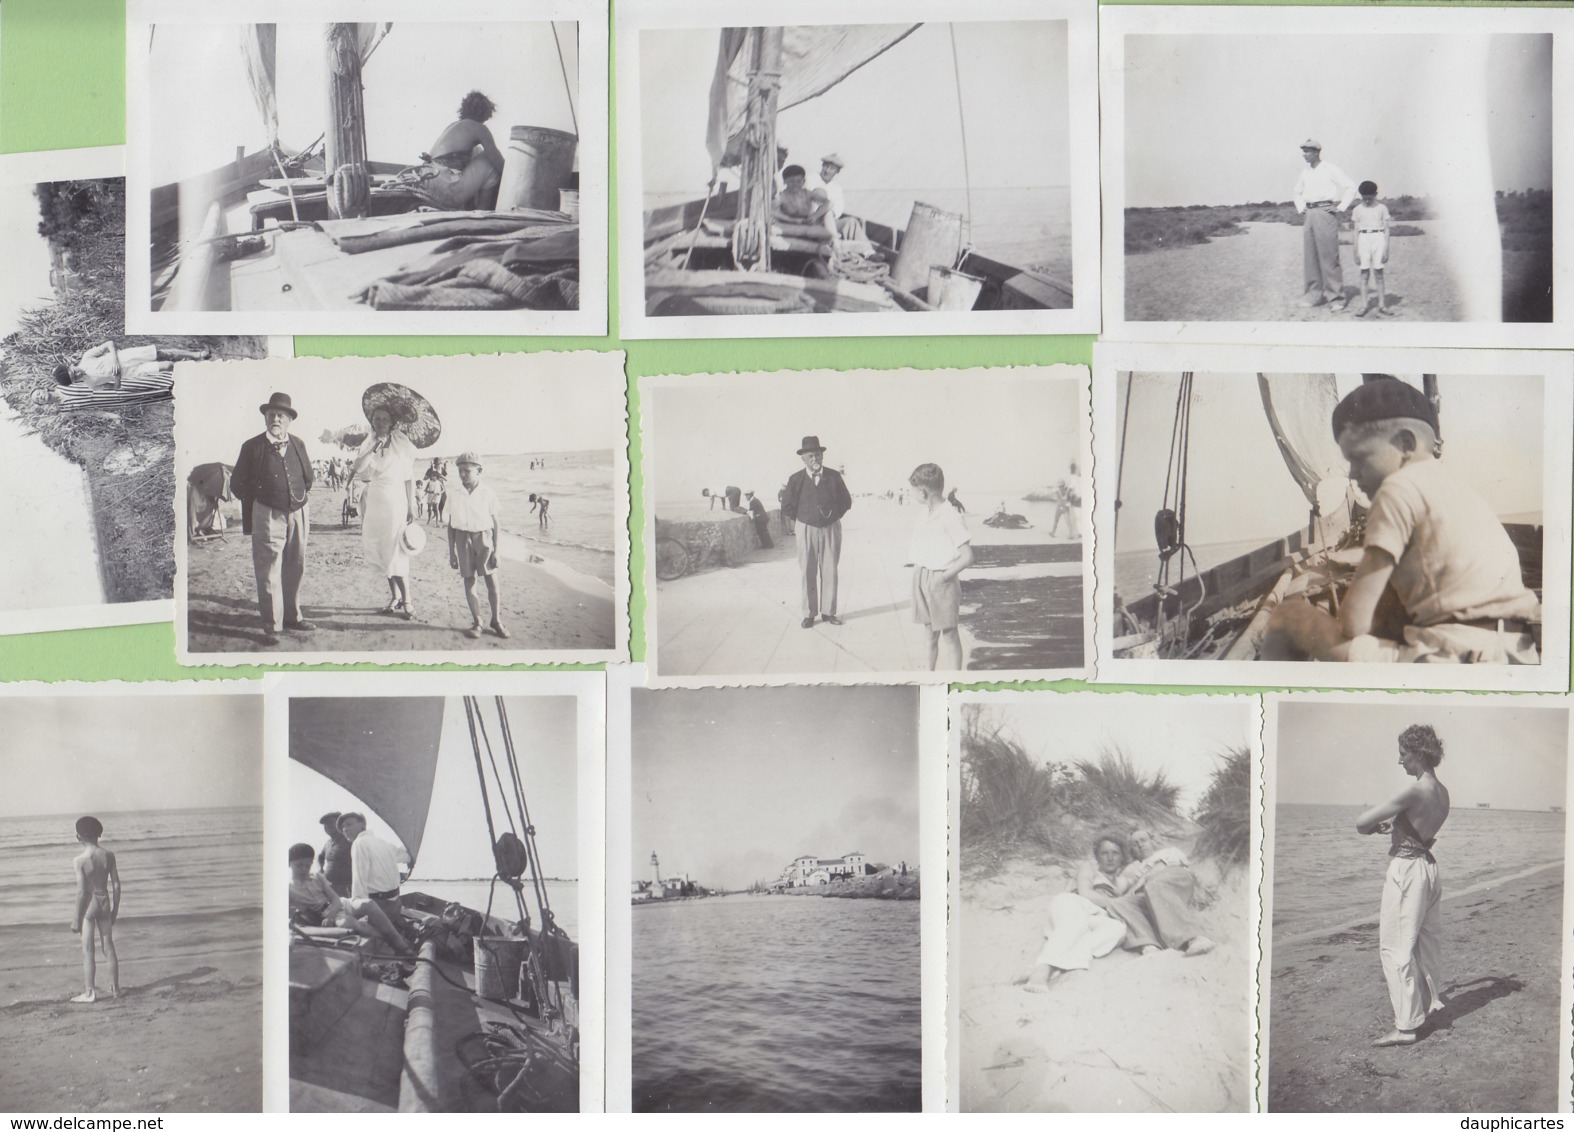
[[412, 413]]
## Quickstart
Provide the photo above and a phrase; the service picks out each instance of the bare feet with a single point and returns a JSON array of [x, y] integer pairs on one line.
[[1199, 945], [1150, 949], [89, 995], [1397, 1038]]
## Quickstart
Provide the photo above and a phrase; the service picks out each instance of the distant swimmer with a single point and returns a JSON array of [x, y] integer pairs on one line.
[[1409, 923], [537, 500], [97, 906]]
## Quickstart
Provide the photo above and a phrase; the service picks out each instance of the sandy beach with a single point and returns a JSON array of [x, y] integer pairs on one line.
[[1257, 277], [1156, 1033], [543, 605], [1021, 605], [1493, 1050], [184, 1036]]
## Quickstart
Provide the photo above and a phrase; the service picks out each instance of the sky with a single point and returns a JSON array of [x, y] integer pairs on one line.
[[202, 106], [1239, 487], [1219, 119], [60, 754], [731, 784], [1510, 756], [895, 121], [493, 407], [25, 281], [1184, 736], [455, 844], [879, 427]]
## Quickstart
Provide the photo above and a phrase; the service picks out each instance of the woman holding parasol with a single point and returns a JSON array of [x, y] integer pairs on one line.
[[402, 421]]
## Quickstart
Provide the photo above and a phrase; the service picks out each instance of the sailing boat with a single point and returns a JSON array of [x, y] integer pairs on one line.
[[488, 1019], [1222, 612], [725, 253], [327, 228]]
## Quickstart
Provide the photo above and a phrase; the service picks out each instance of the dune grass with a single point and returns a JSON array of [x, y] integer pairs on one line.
[[1225, 811], [1016, 805]]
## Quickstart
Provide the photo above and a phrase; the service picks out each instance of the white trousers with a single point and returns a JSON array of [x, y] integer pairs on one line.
[[1408, 939], [1079, 932]]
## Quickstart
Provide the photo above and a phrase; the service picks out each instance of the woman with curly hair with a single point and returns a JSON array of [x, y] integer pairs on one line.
[[1080, 929], [465, 167], [1409, 923]]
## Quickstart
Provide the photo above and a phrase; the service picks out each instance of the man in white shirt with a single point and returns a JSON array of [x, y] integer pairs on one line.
[[825, 189], [1322, 192], [374, 867]]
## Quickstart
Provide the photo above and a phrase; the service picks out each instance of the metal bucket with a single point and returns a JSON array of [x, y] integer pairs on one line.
[[933, 237], [537, 164], [497, 966], [951, 290]]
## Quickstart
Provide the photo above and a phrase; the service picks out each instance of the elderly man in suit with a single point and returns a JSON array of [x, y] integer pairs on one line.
[[817, 498], [272, 479]]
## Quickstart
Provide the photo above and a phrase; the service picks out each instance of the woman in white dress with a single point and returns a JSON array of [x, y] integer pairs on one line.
[[385, 464], [1080, 929]]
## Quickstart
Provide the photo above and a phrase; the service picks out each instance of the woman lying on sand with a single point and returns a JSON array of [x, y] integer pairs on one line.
[[1408, 922], [1143, 906]]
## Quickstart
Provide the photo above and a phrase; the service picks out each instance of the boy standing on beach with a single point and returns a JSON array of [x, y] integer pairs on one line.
[[1371, 220], [473, 539], [98, 903], [1451, 563], [941, 550]]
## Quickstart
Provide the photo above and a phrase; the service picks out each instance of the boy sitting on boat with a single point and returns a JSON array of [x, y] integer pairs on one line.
[[1436, 541], [795, 204], [314, 903]]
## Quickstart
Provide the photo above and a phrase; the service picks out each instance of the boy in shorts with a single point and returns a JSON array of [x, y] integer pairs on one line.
[[472, 509], [1371, 220], [941, 550], [1434, 539], [97, 905]]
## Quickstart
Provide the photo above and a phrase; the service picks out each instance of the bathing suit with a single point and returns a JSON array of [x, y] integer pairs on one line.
[[1407, 843]]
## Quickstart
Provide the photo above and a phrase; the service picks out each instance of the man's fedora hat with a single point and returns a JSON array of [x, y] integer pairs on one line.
[[280, 401], [811, 444]]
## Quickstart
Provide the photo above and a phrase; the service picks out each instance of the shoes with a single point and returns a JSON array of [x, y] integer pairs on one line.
[[1386, 312], [1312, 301], [474, 632], [497, 627], [394, 606], [270, 637], [1337, 306], [830, 618], [407, 611], [807, 623], [301, 626], [1199, 945]]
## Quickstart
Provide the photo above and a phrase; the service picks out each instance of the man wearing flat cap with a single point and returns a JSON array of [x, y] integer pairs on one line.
[[816, 498], [1322, 192], [272, 478], [826, 190]]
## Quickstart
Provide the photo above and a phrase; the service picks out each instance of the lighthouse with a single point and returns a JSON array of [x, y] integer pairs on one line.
[[656, 867]]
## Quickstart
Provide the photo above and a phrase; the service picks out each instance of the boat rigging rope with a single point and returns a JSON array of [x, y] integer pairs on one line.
[[1120, 464], [967, 174], [1169, 525], [568, 89]]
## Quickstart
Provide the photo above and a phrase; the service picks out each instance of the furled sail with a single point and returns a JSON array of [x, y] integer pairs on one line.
[[259, 46], [383, 750], [813, 60], [1299, 407]]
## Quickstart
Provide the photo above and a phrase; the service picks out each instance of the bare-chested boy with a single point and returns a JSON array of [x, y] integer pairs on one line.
[[98, 904]]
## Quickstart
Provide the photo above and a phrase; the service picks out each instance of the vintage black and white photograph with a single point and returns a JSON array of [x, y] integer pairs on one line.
[[131, 898], [1415, 918], [1103, 935], [775, 895], [405, 171], [85, 410], [868, 171], [1258, 521], [470, 509], [438, 892], [865, 525], [1375, 177]]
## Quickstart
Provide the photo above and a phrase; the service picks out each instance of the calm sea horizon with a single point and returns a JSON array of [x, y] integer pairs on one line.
[[1326, 873]]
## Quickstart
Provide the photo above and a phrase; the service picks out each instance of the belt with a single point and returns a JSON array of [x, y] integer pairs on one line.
[[391, 894], [1507, 624], [1319, 204], [1369, 231]]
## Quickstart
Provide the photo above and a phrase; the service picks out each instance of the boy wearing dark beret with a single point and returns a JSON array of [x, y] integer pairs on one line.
[[1434, 539]]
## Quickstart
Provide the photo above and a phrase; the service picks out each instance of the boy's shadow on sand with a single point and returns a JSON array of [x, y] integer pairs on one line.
[[1487, 989]]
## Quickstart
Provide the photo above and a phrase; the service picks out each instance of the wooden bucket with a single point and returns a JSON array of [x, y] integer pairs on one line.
[[537, 164], [933, 238]]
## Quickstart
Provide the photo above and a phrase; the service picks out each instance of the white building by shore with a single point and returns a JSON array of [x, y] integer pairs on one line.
[[810, 870]]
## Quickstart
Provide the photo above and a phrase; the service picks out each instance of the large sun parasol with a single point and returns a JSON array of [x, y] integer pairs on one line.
[[413, 414]]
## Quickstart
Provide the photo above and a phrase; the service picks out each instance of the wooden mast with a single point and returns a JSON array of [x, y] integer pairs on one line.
[[751, 245], [344, 147]]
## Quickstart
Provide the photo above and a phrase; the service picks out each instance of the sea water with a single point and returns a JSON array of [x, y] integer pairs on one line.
[[193, 863], [562, 895], [1326, 873], [776, 1004]]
